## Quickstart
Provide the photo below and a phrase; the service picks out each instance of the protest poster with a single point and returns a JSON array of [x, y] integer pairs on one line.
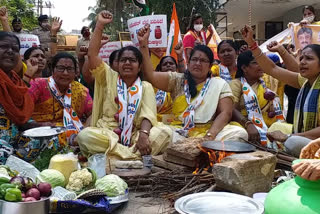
[[127, 43], [27, 41], [158, 30], [107, 49], [303, 36]]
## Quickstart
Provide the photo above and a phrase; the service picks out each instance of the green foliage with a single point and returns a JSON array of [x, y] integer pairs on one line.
[[22, 9], [126, 9]]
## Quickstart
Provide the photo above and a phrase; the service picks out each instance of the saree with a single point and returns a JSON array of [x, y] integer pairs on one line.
[[205, 113], [164, 106], [49, 109], [101, 138]]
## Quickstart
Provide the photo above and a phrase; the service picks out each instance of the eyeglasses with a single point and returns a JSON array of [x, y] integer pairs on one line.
[[202, 61], [131, 60], [62, 69]]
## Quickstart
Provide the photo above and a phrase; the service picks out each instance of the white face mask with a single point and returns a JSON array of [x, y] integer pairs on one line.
[[198, 27], [309, 18]]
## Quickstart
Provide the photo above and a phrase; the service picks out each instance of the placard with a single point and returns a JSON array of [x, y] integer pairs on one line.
[[127, 43], [27, 41], [303, 36], [107, 49], [158, 30]]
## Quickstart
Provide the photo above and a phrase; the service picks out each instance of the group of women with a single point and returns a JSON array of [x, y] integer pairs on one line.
[[229, 101]]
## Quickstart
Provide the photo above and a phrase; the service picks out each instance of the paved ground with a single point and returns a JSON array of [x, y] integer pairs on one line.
[[138, 205]]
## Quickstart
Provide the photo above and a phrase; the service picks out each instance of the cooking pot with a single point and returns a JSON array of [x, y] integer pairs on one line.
[[35, 207]]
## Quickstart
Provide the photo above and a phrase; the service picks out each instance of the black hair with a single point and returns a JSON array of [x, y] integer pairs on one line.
[[228, 41], [29, 51], [193, 18], [191, 82], [315, 48], [159, 66], [135, 51], [311, 8], [113, 56], [41, 18], [16, 19], [304, 30], [243, 59], [83, 29], [4, 34], [62, 55]]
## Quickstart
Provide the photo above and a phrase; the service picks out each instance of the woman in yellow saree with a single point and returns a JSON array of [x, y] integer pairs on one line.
[[202, 104], [124, 123], [256, 107]]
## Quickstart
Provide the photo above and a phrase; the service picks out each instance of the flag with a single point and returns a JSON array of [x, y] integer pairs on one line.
[[174, 34]]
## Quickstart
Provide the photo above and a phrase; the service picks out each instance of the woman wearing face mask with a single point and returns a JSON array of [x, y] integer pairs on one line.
[[196, 34], [309, 16]]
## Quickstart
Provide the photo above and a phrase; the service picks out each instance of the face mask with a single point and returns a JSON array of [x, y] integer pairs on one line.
[[86, 34], [46, 25], [309, 18], [198, 27]]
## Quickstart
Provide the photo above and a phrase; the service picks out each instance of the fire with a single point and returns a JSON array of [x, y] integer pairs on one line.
[[212, 156]]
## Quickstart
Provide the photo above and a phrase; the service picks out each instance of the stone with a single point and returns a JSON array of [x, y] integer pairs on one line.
[[186, 148], [179, 160], [246, 173]]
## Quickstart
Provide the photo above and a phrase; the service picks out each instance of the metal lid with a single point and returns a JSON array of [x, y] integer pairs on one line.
[[218, 203], [44, 131]]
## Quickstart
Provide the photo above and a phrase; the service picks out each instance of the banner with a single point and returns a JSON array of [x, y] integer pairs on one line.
[[158, 30], [107, 49], [127, 43], [27, 41], [284, 37], [174, 34], [303, 36]]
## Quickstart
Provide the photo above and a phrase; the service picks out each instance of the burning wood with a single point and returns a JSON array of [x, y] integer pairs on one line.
[[209, 157]]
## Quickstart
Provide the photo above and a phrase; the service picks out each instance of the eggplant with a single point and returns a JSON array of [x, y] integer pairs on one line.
[[269, 95], [18, 181]]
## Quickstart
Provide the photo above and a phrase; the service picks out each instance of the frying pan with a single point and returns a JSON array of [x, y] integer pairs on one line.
[[228, 146]]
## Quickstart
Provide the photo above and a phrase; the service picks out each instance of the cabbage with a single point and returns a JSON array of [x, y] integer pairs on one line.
[[112, 185], [51, 176]]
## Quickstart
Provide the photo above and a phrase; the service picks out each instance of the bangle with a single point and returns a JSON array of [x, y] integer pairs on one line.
[[254, 46], [283, 52], [261, 53], [144, 131], [53, 39], [247, 124], [26, 75]]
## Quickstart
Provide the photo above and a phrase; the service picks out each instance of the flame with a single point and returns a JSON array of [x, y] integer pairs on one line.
[[213, 157]]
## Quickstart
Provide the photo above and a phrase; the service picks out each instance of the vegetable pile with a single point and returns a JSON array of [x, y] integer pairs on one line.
[[22, 189]]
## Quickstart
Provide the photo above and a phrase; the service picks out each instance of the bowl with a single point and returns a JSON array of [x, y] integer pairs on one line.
[[35, 207]]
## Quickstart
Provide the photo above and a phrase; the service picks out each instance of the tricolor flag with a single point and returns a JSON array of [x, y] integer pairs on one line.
[[174, 34]]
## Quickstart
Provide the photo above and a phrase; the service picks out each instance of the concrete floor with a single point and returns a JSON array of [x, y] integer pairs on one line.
[[138, 205]]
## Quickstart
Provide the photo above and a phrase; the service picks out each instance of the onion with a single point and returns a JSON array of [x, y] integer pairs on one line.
[[269, 95], [28, 199], [33, 192], [45, 189]]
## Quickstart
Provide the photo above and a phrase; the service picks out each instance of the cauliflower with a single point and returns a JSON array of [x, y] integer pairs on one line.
[[79, 180]]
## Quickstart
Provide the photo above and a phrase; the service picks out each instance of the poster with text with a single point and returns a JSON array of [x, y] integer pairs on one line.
[[127, 43], [107, 49], [27, 41], [158, 30], [303, 36]]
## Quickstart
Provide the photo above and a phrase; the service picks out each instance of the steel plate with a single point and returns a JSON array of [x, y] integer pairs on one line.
[[44, 131], [228, 146], [217, 203]]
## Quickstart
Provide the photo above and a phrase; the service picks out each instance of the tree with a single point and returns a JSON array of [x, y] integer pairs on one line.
[[22, 9]]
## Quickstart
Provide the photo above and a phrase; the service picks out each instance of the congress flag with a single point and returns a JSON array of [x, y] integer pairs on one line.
[[174, 34]]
